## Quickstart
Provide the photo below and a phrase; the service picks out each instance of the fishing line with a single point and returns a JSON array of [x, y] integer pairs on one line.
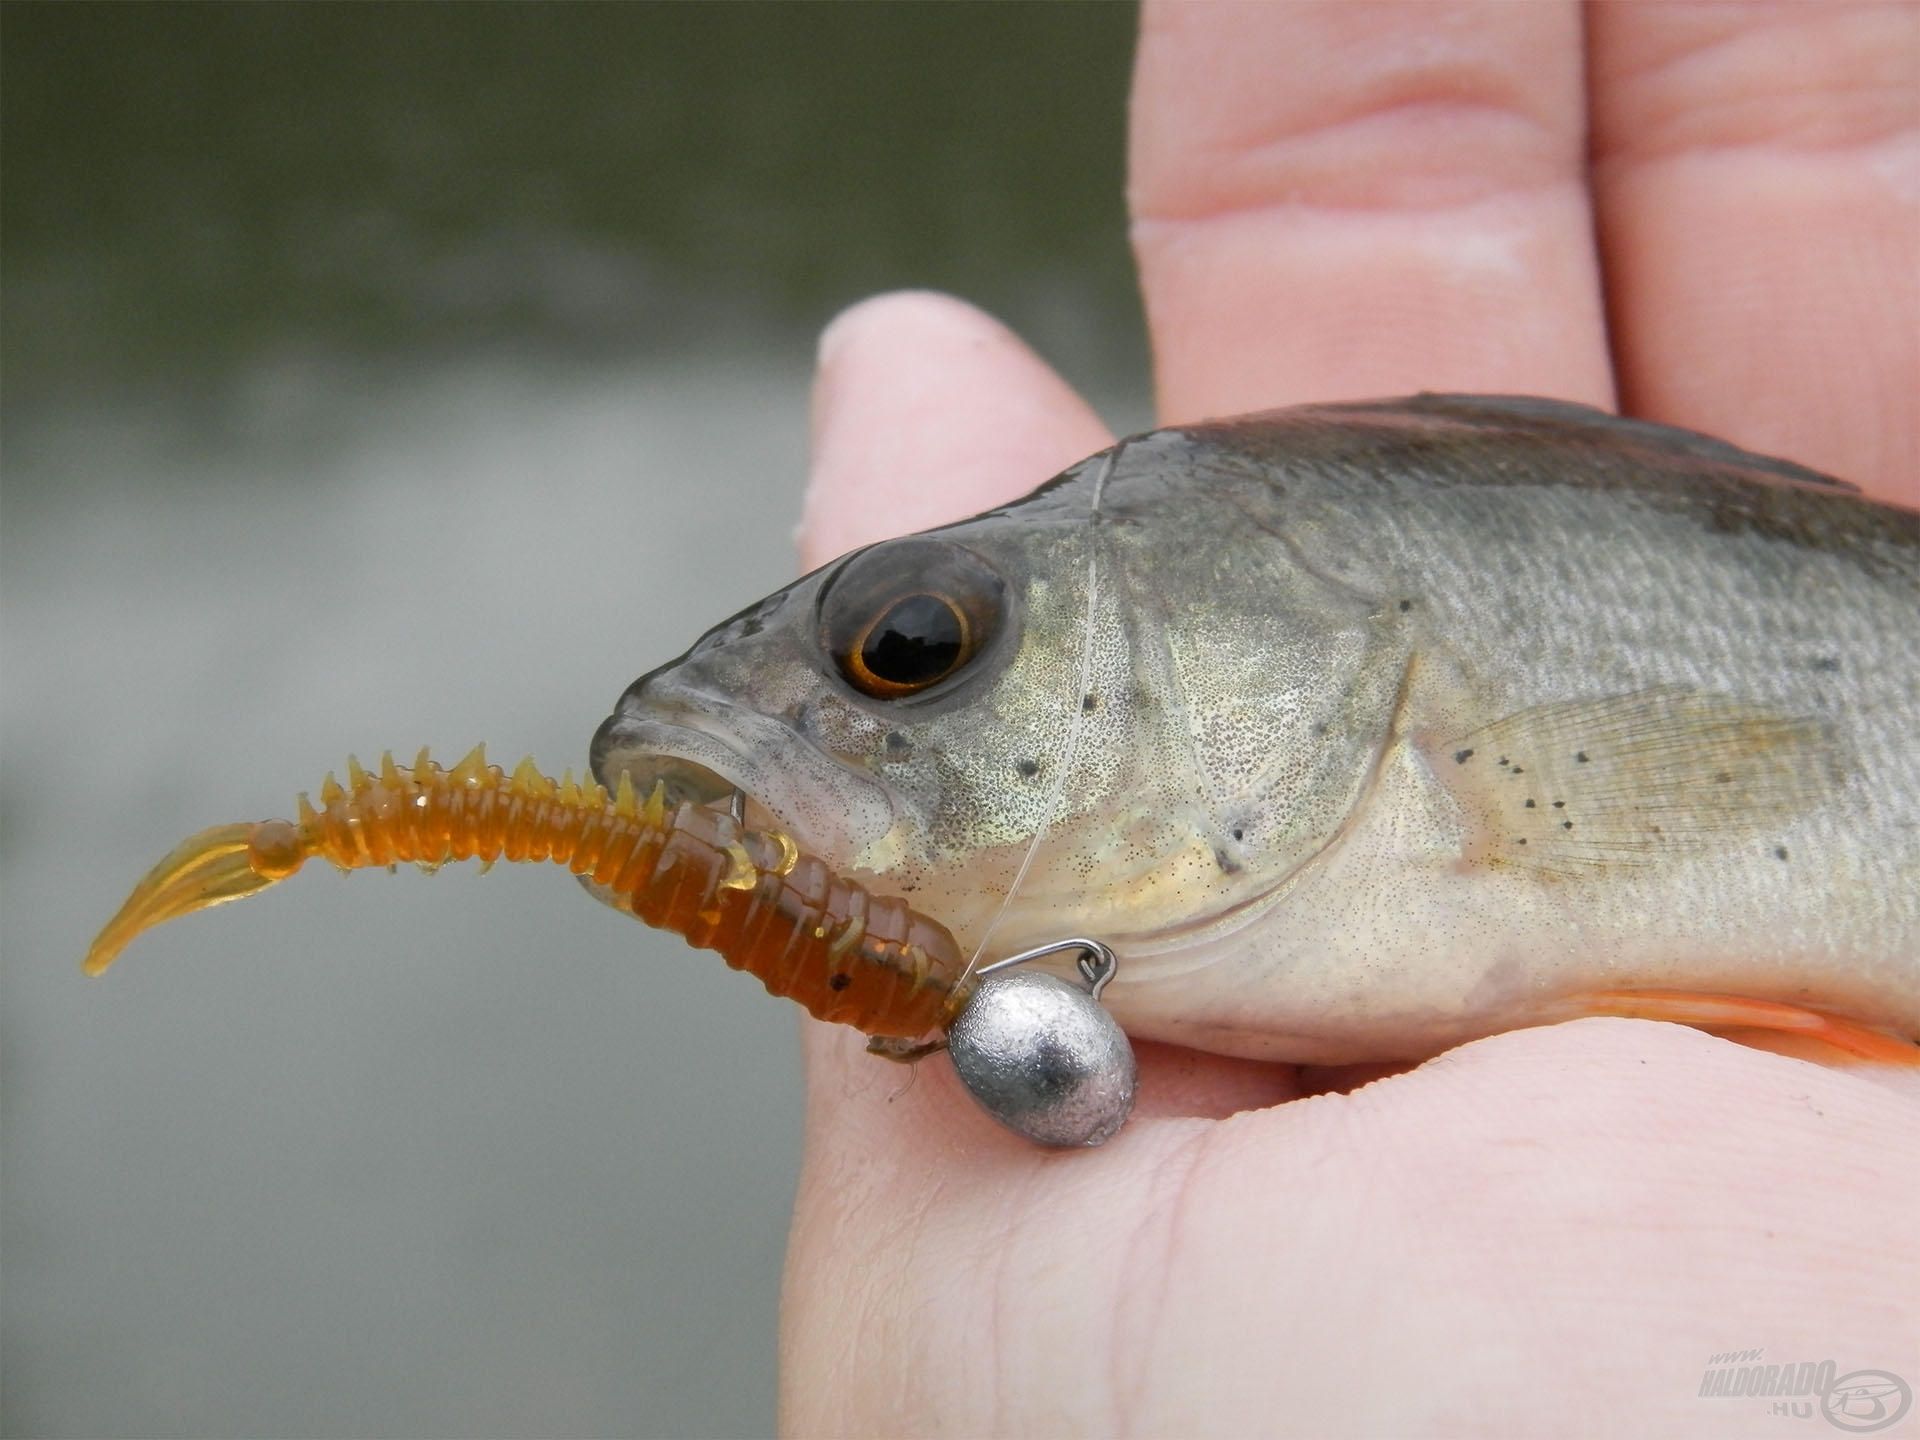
[[1070, 749]]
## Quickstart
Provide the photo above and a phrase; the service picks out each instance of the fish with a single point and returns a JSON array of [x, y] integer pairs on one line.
[[1354, 731], [1359, 731]]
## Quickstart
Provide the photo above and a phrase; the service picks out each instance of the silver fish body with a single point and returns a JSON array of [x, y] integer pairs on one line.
[[1358, 731]]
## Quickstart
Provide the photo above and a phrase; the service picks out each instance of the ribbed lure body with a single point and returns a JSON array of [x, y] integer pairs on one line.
[[750, 895]]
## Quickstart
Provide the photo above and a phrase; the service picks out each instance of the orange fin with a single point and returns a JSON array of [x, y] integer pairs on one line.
[[1738, 1012]]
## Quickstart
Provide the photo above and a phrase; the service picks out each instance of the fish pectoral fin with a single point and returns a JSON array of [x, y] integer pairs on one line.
[[1737, 1012], [1582, 787]]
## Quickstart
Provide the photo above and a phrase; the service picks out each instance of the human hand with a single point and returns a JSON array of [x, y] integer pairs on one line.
[[1545, 1231]]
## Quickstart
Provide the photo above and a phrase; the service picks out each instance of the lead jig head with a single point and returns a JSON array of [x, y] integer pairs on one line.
[[1042, 1055]]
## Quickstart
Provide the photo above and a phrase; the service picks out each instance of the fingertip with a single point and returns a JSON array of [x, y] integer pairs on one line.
[[905, 312], [926, 410]]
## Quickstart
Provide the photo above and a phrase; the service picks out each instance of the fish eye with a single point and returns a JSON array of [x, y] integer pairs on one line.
[[899, 618], [915, 642]]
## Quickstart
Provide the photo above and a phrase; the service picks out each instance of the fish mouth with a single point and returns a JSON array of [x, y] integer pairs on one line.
[[688, 766], [682, 781], [706, 752], [688, 782]]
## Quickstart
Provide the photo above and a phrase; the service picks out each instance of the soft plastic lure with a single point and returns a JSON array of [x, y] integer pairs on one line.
[[864, 960]]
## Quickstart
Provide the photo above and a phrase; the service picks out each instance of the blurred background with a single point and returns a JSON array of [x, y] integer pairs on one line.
[[375, 376]]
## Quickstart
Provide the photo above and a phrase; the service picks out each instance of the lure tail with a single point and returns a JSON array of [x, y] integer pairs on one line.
[[751, 895], [209, 869]]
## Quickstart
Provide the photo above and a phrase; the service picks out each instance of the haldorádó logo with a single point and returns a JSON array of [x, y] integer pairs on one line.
[[1867, 1400], [1859, 1402]]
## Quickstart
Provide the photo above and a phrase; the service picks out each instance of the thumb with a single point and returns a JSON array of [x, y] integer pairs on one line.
[[925, 411]]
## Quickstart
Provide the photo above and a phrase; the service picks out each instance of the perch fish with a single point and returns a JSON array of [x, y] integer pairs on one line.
[[1355, 731]]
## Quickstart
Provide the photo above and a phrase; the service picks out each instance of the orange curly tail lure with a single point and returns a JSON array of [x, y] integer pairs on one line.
[[864, 960]]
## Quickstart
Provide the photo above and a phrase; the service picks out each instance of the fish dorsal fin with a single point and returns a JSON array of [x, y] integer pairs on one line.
[[1577, 788], [1530, 413]]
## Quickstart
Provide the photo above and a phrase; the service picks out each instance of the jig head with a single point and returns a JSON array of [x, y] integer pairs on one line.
[[1042, 1055]]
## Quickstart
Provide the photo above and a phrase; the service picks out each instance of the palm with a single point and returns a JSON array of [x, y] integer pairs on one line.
[[1547, 1230]]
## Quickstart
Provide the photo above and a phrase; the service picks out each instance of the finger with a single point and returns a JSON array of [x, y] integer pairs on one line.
[[925, 410], [1335, 201], [1757, 171]]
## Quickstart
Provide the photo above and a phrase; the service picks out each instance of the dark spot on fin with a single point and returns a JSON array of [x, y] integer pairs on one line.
[[1640, 778]]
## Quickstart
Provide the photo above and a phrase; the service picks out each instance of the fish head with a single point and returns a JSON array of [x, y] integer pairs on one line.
[[1033, 725], [891, 712]]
